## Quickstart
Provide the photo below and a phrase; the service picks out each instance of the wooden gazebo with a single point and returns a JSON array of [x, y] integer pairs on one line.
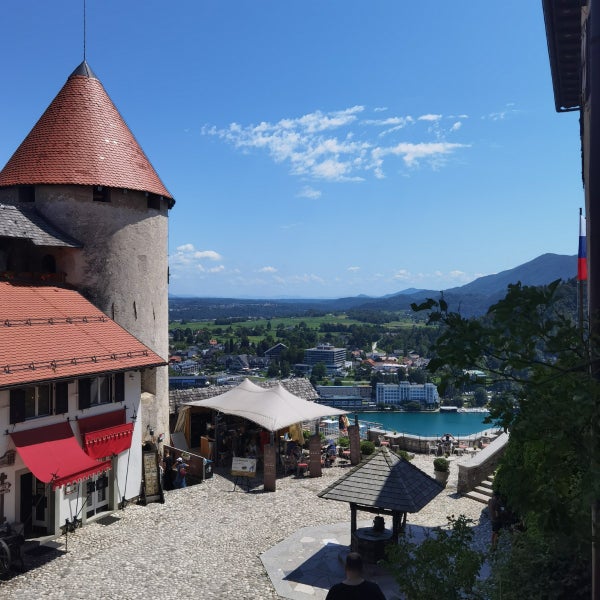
[[384, 484]]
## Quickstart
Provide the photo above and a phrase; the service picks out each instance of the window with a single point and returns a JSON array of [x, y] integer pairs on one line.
[[30, 402], [154, 201], [100, 391], [101, 193], [94, 391], [26, 193]]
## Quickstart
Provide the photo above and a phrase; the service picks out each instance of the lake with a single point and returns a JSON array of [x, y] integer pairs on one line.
[[427, 424]]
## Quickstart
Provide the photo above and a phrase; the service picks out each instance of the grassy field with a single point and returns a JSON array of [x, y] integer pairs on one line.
[[311, 323]]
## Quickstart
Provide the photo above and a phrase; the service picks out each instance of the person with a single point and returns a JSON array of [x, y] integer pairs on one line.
[[495, 509], [181, 469], [167, 470], [355, 586]]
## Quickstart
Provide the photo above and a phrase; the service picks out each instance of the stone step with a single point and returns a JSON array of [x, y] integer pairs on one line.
[[484, 491], [487, 483], [474, 495]]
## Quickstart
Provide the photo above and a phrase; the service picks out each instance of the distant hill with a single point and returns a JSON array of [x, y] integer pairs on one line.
[[472, 299]]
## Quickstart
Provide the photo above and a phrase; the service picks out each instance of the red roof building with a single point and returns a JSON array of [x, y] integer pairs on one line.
[[81, 139], [51, 333]]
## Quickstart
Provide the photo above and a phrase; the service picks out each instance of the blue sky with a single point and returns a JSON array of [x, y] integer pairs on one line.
[[322, 148]]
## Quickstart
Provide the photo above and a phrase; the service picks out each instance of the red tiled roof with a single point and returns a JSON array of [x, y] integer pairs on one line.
[[82, 139], [48, 332]]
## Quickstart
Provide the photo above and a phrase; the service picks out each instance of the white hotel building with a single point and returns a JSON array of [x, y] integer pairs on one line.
[[400, 393]]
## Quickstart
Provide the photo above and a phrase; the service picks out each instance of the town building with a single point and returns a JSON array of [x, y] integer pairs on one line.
[[349, 397], [334, 359], [70, 408], [397, 394], [84, 266]]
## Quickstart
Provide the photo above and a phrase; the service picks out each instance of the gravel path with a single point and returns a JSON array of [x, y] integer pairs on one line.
[[205, 541]]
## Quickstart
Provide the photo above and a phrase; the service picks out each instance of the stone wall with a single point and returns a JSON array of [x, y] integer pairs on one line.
[[473, 470]]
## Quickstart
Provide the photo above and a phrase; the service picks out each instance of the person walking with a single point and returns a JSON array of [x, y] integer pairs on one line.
[[167, 470], [181, 469], [355, 586]]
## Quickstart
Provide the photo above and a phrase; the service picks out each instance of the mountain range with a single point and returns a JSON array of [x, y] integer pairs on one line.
[[472, 299]]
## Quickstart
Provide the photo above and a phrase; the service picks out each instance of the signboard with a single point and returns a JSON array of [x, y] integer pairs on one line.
[[243, 467], [152, 487]]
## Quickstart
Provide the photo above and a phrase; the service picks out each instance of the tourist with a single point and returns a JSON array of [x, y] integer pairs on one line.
[[167, 475], [355, 586], [181, 468]]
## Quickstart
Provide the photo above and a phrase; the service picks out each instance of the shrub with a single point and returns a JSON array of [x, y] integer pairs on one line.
[[367, 447], [443, 565], [344, 442], [405, 455], [441, 464]]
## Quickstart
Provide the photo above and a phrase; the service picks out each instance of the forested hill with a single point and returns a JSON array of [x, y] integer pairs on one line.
[[473, 298]]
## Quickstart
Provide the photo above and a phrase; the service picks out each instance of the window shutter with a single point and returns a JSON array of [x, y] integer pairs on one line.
[[119, 387], [61, 398], [17, 406], [85, 396]]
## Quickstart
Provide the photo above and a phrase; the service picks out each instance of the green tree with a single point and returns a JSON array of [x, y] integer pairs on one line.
[[319, 371], [442, 566], [480, 396], [549, 472]]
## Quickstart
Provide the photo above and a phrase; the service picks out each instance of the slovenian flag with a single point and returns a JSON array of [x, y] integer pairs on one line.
[[582, 254]]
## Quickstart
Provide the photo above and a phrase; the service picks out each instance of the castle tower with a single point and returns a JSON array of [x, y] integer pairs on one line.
[[81, 169]]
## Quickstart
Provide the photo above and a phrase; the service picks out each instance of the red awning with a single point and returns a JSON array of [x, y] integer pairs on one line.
[[109, 441], [53, 455], [106, 434]]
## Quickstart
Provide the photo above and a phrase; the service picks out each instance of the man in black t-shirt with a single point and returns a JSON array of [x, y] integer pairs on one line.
[[355, 586]]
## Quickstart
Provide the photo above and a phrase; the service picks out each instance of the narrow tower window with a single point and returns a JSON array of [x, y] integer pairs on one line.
[[101, 193]]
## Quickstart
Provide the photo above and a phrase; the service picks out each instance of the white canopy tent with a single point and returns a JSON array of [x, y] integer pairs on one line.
[[272, 408]]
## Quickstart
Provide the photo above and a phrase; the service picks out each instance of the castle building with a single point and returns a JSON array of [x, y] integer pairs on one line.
[[82, 214], [81, 169]]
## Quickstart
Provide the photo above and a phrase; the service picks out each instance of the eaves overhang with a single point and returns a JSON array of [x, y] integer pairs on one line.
[[564, 35]]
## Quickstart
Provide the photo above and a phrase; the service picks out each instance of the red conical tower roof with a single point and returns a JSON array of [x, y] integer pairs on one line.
[[82, 139]]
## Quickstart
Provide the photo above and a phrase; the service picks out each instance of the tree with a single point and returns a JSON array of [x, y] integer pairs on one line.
[[319, 371], [442, 566], [550, 469], [480, 396]]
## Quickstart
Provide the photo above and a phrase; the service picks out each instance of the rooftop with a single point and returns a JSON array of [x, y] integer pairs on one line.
[[81, 139], [51, 333]]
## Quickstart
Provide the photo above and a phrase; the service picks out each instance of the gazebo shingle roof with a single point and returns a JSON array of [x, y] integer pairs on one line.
[[81, 139], [387, 481]]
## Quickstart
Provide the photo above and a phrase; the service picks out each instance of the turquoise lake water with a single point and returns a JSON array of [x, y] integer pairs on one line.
[[427, 424]]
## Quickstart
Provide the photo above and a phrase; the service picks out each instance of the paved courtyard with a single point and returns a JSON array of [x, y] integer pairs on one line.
[[209, 541]]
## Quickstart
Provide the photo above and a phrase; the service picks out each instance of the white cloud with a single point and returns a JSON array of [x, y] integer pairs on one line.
[[353, 268], [187, 259], [402, 274], [336, 146], [267, 270], [456, 126], [308, 192], [413, 153], [218, 269]]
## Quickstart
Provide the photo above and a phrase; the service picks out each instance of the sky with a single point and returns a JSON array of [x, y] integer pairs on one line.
[[322, 148]]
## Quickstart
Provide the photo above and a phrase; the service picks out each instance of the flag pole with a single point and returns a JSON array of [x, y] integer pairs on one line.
[[581, 269]]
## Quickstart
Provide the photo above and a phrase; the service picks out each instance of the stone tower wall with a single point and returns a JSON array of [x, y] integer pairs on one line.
[[122, 269]]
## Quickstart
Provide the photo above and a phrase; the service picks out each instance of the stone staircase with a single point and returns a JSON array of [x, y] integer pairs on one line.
[[483, 492]]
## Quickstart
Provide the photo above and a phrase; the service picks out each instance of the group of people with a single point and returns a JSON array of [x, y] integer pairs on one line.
[[173, 472]]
